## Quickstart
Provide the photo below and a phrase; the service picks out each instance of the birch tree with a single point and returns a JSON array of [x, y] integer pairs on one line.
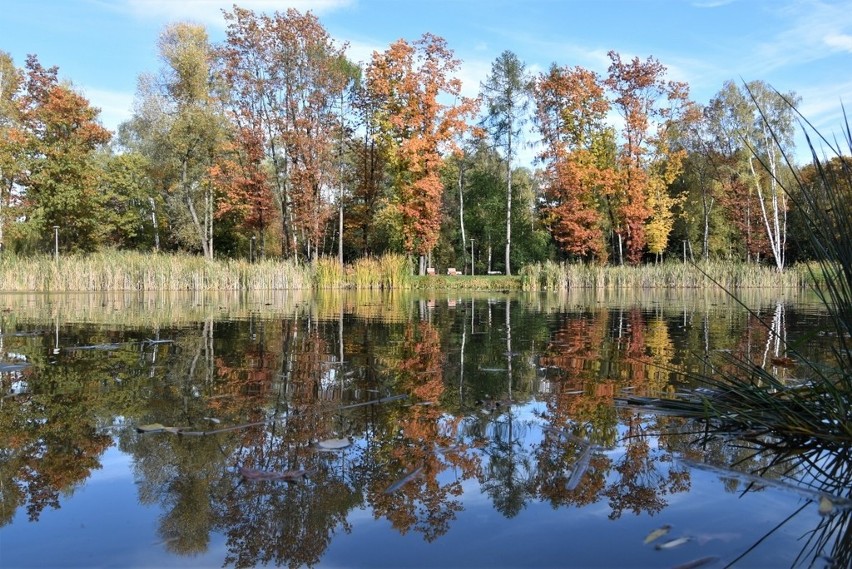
[[759, 124]]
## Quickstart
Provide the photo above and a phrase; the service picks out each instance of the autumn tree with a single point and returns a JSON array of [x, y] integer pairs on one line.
[[578, 153], [11, 136], [505, 95], [287, 77], [410, 82], [368, 191], [649, 106], [59, 133], [245, 208]]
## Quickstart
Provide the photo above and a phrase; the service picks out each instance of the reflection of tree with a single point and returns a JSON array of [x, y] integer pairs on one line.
[[52, 437], [284, 524], [564, 476], [507, 476], [423, 504], [590, 357], [642, 484]]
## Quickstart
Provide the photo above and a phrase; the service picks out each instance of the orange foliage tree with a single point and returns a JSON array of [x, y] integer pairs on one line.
[[649, 106], [571, 108], [286, 75], [409, 81]]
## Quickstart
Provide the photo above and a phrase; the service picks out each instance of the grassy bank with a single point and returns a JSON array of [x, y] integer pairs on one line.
[[132, 271]]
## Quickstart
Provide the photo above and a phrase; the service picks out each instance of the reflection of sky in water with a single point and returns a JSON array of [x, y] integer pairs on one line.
[[101, 523]]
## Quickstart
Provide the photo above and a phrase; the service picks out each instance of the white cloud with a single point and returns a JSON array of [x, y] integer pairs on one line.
[[815, 26], [209, 12], [116, 107], [841, 42]]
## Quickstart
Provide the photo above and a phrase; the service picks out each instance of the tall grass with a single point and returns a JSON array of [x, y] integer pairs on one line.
[[328, 273], [733, 276], [390, 271], [127, 270], [802, 429]]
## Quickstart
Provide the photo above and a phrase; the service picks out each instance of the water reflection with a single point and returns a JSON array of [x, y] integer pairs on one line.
[[442, 399]]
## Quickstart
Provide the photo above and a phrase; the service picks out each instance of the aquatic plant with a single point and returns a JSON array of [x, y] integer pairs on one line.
[[803, 428]]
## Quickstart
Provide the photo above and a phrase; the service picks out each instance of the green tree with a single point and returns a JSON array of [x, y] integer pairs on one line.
[[60, 136], [131, 202], [180, 128], [505, 94], [756, 125]]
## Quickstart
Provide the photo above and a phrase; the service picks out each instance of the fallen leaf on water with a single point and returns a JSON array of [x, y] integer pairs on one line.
[[673, 543], [285, 475], [334, 444], [404, 480], [700, 562], [825, 506], [157, 428], [658, 533]]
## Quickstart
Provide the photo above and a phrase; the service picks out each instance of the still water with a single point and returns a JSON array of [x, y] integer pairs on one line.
[[387, 430]]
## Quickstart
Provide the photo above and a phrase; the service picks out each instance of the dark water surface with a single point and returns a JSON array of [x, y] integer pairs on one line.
[[464, 431]]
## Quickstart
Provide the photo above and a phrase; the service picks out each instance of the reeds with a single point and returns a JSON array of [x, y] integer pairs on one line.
[[133, 271], [390, 271], [733, 276]]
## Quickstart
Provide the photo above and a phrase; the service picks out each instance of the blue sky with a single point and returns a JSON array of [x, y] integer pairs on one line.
[[805, 46]]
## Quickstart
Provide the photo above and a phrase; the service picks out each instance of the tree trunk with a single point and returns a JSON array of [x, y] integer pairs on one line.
[[154, 221], [508, 205], [461, 214]]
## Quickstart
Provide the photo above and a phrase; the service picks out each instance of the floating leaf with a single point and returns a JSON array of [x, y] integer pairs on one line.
[[673, 543], [700, 562], [255, 474], [157, 428], [106, 347], [152, 428], [334, 444], [658, 533], [404, 480]]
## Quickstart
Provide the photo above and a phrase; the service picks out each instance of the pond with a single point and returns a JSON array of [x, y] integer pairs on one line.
[[392, 430]]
